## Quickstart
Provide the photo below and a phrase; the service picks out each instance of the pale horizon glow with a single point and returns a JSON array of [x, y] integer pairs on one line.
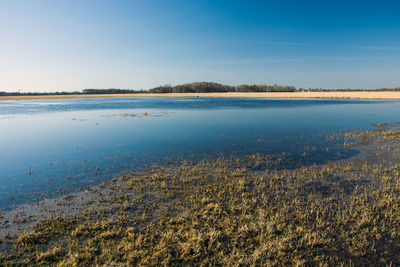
[[73, 45]]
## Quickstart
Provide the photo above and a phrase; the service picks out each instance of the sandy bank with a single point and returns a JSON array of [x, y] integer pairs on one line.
[[305, 95]]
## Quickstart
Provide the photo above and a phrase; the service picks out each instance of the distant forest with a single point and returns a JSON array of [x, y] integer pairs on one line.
[[209, 87], [196, 87]]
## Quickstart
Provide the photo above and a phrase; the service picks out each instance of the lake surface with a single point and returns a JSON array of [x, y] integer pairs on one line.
[[50, 147]]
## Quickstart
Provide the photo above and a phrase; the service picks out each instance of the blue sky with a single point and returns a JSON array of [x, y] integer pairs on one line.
[[50, 45]]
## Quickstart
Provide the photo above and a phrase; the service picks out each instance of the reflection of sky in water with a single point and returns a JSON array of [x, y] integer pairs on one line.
[[90, 140], [44, 106]]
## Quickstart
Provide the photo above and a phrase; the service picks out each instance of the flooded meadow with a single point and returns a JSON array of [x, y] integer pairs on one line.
[[202, 181]]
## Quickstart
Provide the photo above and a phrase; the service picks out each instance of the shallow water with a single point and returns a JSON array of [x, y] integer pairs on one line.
[[49, 145]]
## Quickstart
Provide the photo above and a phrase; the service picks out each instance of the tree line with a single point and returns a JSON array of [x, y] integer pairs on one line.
[[196, 87], [37, 93], [210, 87]]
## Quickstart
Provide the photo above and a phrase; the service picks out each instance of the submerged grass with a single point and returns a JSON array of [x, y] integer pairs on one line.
[[218, 212]]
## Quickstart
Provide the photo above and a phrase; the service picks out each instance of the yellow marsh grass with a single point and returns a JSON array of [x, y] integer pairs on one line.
[[220, 213]]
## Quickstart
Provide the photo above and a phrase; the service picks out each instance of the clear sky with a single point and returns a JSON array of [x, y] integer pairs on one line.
[[50, 45]]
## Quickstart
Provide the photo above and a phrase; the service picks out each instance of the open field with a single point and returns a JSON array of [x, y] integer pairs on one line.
[[229, 211], [300, 95]]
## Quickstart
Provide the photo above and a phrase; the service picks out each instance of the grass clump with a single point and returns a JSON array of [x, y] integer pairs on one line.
[[218, 212]]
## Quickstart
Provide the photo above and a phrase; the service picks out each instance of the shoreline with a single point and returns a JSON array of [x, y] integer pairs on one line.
[[172, 214], [23, 217], [387, 95]]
